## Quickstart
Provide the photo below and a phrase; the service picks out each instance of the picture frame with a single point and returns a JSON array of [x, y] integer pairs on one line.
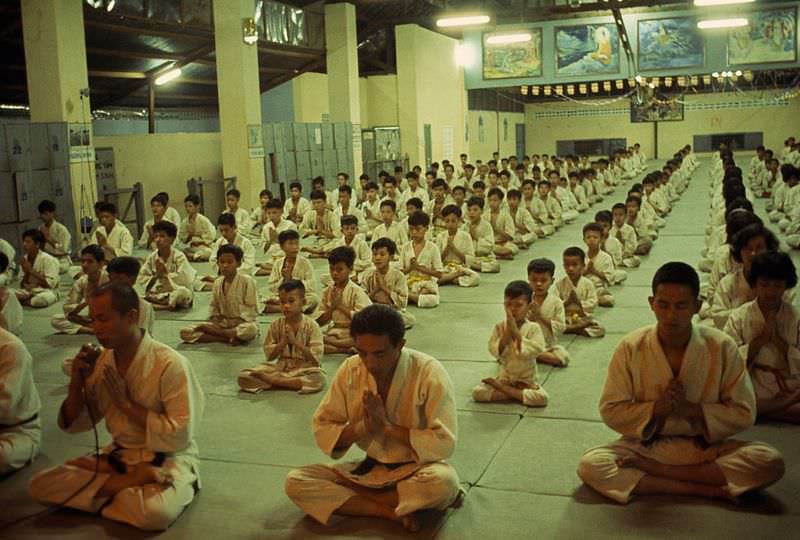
[[770, 38], [512, 60], [587, 50], [667, 43]]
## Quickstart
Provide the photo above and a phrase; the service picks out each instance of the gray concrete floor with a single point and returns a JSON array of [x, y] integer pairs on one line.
[[518, 464]]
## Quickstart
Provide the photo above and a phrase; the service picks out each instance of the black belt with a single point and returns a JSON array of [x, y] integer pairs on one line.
[[370, 463], [119, 466], [4, 427]]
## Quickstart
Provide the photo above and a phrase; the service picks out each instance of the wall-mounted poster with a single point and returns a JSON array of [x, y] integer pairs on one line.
[[770, 37], [656, 110], [587, 49], [670, 43], [513, 60]]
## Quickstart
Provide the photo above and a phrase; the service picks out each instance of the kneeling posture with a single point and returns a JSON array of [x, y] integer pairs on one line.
[[396, 404], [152, 404], [676, 392]]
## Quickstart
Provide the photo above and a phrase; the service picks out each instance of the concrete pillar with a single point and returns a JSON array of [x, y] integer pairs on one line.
[[239, 99], [412, 136], [55, 58], [341, 41]]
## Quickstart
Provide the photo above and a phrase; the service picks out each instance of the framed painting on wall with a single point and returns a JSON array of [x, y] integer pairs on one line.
[[669, 43], [587, 49], [770, 37], [513, 60]]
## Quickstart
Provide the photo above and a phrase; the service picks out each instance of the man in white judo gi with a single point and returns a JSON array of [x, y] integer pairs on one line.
[[676, 392], [152, 404], [396, 404]]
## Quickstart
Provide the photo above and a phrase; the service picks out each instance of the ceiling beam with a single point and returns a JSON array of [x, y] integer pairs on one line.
[[147, 55], [280, 79]]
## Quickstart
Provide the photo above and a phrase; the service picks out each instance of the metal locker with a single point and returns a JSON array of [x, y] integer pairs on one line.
[[18, 146], [280, 167], [314, 132], [329, 163], [62, 196], [40, 147], [4, 164], [291, 166], [58, 144], [300, 132], [269, 138], [317, 164], [327, 137], [341, 135], [42, 187], [8, 198], [287, 134], [303, 160], [277, 136], [344, 159], [26, 202]]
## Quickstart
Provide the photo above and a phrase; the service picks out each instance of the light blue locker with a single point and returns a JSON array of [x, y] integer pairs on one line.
[[40, 147]]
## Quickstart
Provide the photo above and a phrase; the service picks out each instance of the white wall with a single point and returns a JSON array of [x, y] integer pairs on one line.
[[164, 162], [703, 115], [488, 134]]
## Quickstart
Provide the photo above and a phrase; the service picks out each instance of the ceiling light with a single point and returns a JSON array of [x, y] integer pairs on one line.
[[170, 75], [712, 24], [466, 20], [720, 2], [508, 38], [249, 31]]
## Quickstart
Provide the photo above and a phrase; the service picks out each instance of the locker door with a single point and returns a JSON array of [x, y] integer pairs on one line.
[[62, 196], [40, 147], [291, 166], [300, 133], [285, 129], [8, 198], [26, 203], [18, 146], [327, 137], [317, 165], [303, 165], [269, 138], [42, 186], [58, 145]]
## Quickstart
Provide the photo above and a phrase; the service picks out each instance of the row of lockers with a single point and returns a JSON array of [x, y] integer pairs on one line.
[[32, 147], [303, 166], [281, 137], [21, 193]]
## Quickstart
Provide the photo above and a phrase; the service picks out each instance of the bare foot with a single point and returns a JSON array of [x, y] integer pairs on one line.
[[642, 463], [410, 522], [147, 474]]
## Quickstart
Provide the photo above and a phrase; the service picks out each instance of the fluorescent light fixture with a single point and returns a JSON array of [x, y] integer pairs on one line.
[[721, 2], [465, 20], [519, 37], [170, 75], [712, 24]]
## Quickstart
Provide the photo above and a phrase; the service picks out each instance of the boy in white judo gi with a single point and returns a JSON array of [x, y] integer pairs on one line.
[[10, 309], [112, 235], [152, 405], [293, 348], [766, 331], [40, 272], [58, 240], [340, 301], [167, 276], [234, 304], [75, 318], [398, 405], [291, 265], [196, 232], [384, 283], [20, 426], [578, 295], [515, 343], [677, 393], [421, 262], [547, 310]]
